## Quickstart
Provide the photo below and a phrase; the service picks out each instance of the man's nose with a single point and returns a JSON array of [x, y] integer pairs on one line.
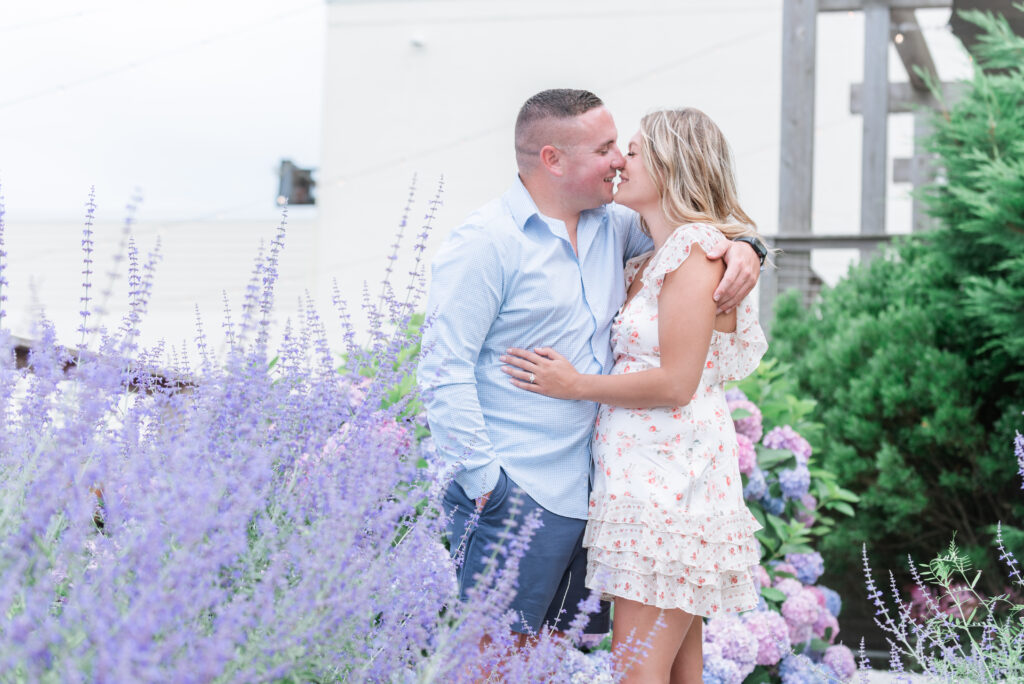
[[618, 161]]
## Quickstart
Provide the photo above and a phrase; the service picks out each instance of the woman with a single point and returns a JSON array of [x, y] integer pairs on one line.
[[669, 536]]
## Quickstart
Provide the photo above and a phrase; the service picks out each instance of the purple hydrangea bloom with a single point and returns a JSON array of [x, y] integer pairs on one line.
[[749, 426], [734, 639], [756, 487], [772, 635], [840, 660], [833, 603], [721, 671], [774, 505], [809, 566], [735, 394], [806, 514], [786, 437], [795, 482], [801, 608], [798, 669]]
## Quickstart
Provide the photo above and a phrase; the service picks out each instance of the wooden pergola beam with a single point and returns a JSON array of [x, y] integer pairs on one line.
[[904, 98], [860, 5], [801, 243], [875, 112], [913, 49]]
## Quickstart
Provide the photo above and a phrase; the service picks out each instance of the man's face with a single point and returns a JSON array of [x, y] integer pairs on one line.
[[592, 159]]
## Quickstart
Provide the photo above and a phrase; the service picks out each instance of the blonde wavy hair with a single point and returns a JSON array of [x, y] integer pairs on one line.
[[691, 164]]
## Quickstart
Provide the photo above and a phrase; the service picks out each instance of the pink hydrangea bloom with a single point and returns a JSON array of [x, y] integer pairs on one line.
[[761, 576], [801, 608], [746, 454], [785, 567], [840, 659], [772, 635], [826, 620], [818, 594], [749, 426], [788, 586]]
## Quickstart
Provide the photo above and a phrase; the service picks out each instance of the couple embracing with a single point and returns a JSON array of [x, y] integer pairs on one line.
[[577, 351]]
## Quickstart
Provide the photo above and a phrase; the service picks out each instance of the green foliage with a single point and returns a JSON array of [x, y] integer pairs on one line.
[[917, 359], [774, 390]]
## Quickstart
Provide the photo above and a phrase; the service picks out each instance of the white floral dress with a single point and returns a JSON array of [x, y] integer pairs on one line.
[[668, 525]]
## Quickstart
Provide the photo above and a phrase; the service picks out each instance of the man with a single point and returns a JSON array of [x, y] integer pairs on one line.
[[540, 266]]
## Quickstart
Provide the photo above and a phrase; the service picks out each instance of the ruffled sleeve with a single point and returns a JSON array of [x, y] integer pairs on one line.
[[675, 251], [734, 355]]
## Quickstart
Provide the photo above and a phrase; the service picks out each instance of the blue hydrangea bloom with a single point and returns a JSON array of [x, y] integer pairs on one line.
[[773, 505], [798, 669], [795, 482], [756, 487], [718, 670], [809, 566], [833, 603]]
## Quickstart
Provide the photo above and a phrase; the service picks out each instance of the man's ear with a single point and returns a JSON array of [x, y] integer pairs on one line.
[[551, 157]]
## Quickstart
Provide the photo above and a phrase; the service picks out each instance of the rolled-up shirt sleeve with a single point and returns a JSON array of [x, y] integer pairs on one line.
[[466, 291]]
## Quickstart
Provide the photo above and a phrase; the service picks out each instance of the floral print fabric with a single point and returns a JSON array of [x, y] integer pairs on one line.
[[668, 525]]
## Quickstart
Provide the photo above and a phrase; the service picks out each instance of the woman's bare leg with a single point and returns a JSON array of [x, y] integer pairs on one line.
[[664, 641], [688, 667]]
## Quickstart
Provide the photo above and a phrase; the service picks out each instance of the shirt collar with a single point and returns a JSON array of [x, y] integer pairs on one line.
[[523, 208], [520, 204]]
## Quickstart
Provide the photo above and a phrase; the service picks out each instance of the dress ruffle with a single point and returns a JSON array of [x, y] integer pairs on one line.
[[698, 563]]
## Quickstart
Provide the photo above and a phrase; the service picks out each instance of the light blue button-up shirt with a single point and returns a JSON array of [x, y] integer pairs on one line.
[[508, 277]]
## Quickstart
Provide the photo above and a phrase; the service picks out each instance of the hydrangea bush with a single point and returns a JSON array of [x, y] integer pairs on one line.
[[253, 516], [792, 636]]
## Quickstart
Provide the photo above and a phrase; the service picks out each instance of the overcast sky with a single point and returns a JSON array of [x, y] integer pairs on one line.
[[195, 102]]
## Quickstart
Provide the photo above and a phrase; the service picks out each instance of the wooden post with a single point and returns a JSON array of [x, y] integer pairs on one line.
[[796, 156], [875, 105]]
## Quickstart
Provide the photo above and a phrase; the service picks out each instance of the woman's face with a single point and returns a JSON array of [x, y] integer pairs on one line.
[[636, 187]]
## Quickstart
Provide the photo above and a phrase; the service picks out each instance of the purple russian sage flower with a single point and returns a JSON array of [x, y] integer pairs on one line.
[[756, 486], [1018, 450], [794, 482], [748, 426], [809, 566], [798, 669], [772, 635], [785, 437], [736, 642], [746, 454], [839, 659]]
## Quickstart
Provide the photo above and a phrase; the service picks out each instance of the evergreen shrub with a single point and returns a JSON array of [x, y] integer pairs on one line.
[[916, 359]]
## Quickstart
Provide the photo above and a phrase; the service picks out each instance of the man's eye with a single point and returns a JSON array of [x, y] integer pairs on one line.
[[603, 150]]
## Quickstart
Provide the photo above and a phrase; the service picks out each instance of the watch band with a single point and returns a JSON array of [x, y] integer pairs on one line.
[[756, 245]]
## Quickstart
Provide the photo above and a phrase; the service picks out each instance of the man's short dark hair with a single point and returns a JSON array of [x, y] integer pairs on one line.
[[558, 103]]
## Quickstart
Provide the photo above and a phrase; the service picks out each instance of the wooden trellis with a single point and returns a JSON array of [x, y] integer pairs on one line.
[[885, 22]]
